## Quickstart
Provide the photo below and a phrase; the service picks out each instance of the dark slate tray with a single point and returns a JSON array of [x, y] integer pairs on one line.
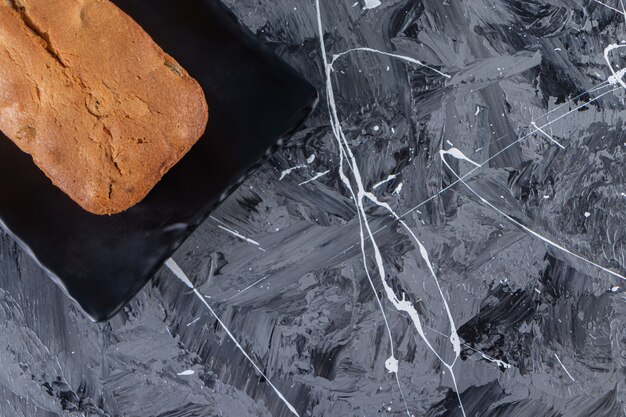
[[255, 99]]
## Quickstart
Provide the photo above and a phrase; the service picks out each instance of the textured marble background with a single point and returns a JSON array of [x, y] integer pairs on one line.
[[523, 312]]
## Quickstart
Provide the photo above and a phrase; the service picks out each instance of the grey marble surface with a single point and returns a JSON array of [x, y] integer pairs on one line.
[[355, 274]]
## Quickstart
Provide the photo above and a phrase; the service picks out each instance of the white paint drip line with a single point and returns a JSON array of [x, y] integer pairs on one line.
[[173, 266], [564, 368], [385, 181], [401, 57], [622, 12], [316, 177], [248, 287], [195, 320], [546, 134], [289, 171], [454, 339], [238, 235]]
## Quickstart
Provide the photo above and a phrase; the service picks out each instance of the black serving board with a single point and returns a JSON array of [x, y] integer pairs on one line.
[[254, 99]]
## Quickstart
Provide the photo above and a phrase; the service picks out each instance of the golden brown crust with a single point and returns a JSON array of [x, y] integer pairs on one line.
[[103, 111]]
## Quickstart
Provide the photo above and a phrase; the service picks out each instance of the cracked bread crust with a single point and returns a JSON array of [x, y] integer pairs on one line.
[[102, 110]]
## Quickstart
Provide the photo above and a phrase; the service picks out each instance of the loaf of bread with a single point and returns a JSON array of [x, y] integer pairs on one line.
[[102, 110]]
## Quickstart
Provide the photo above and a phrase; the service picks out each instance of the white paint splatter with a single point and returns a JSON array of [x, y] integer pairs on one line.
[[527, 229], [371, 4], [358, 195], [455, 152], [186, 373], [289, 171], [498, 362], [515, 142], [617, 77], [398, 189], [173, 266], [622, 12]]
